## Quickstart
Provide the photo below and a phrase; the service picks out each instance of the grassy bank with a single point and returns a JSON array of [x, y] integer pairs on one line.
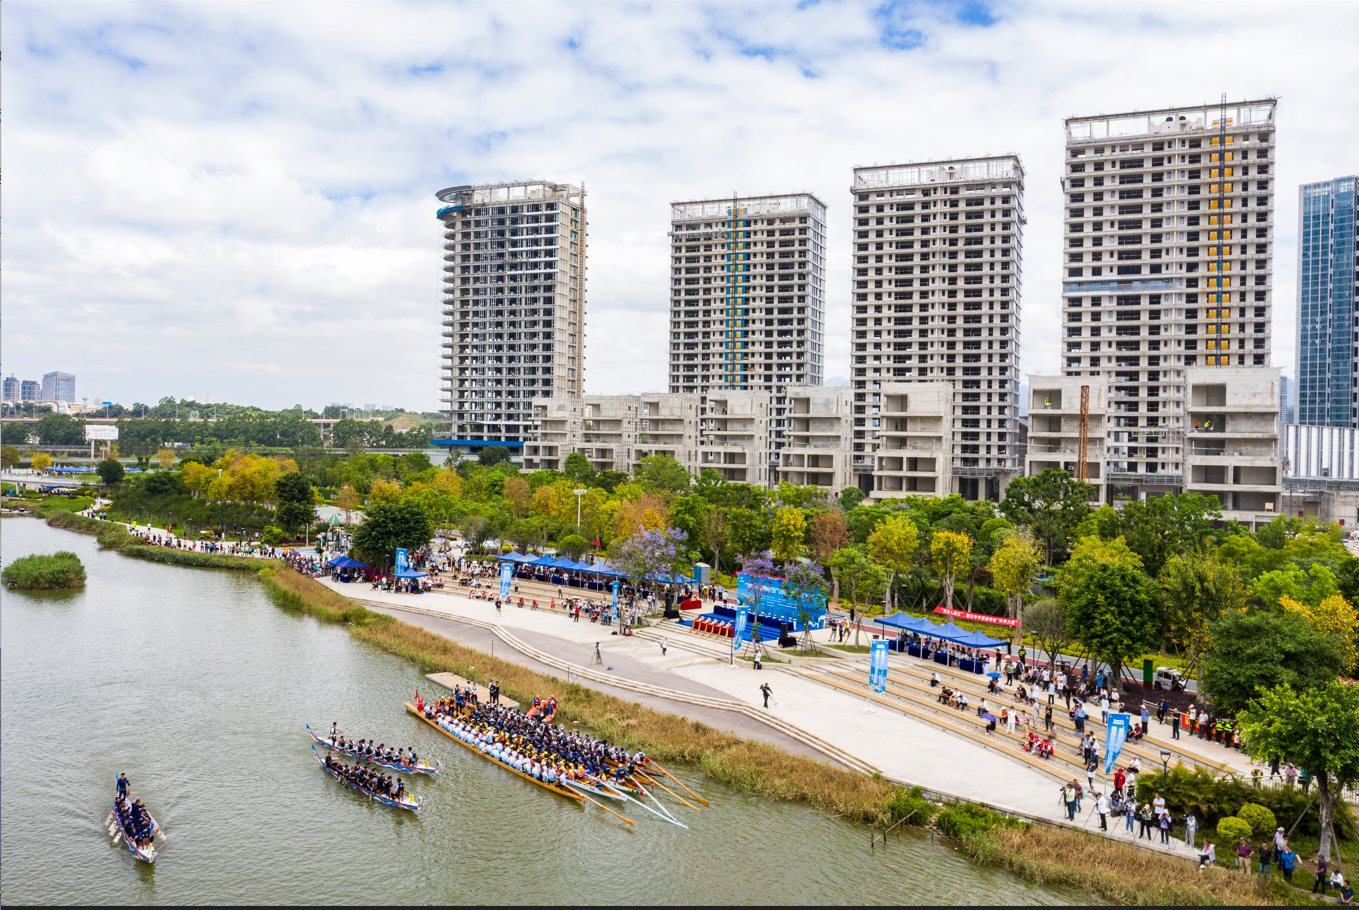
[[116, 537], [1114, 871], [42, 572], [749, 766]]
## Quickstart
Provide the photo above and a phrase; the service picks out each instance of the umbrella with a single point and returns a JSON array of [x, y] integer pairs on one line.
[[993, 675], [990, 717]]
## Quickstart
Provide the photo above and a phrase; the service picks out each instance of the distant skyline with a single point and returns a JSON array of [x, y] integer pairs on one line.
[[238, 199]]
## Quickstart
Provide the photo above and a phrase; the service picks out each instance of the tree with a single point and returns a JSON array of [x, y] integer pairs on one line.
[[573, 546], [650, 556], [861, 578], [59, 430], [477, 530], [1158, 528], [296, 502], [390, 527], [1316, 729], [805, 588], [1197, 589], [786, 534], [1052, 504], [1272, 587], [715, 535], [165, 458], [9, 457], [1112, 609], [110, 471], [578, 470], [950, 553], [1014, 565], [1050, 627], [1333, 617], [516, 493], [892, 545], [41, 461], [851, 497], [348, 501], [493, 455], [829, 532], [663, 472], [1254, 650]]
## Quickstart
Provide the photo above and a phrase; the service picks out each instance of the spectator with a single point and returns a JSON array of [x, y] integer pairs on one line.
[[1244, 851]]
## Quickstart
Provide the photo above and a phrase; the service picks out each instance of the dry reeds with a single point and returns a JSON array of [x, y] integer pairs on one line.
[[1122, 874]]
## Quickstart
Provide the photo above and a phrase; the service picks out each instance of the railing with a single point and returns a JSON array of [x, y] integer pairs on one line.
[[1158, 479]]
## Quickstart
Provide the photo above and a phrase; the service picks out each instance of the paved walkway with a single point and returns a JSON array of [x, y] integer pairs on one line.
[[904, 748]]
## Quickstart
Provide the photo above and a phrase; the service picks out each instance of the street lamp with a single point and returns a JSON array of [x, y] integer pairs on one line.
[[579, 494], [1165, 768]]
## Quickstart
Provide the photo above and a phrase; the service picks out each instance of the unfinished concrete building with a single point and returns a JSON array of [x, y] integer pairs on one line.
[[1055, 428], [935, 297], [747, 293], [514, 304], [1169, 232], [811, 437], [915, 440]]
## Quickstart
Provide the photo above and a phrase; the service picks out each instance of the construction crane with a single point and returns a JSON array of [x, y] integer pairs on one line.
[[1082, 442]]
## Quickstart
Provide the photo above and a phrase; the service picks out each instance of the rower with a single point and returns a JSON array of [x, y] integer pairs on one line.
[[334, 731], [122, 785]]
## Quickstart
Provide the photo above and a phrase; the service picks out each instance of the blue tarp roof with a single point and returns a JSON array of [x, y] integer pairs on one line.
[[517, 557], [950, 631], [978, 640], [344, 562], [901, 620], [409, 573]]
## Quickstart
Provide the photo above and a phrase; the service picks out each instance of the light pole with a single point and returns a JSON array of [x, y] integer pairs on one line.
[[1165, 768], [579, 494]]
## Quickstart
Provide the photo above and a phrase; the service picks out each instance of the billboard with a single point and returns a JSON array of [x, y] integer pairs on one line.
[[100, 433], [774, 603]]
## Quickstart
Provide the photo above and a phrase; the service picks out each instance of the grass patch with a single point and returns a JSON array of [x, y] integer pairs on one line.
[[861, 649], [41, 572]]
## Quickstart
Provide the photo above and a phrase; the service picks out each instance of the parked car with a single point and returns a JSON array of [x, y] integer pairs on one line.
[[1166, 678]]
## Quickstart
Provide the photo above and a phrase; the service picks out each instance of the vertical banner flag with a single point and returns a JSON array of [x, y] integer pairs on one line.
[[1117, 735], [877, 667], [614, 616], [742, 619], [506, 576], [400, 560]]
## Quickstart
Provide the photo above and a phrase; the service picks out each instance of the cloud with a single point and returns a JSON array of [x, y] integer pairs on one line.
[[237, 199]]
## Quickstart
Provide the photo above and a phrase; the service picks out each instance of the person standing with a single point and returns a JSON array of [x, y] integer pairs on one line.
[[1069, 798], [1266, 855], [766, 692], [1287, 860], [1191, 826], [664, 645], [1161, 710], [1146, 719], [1244, 851], [1102, 807], [1163, 822], [1175, 724], [1323, 875]]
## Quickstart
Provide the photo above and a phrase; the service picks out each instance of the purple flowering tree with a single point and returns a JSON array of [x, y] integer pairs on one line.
[[806, 588], [651, 557], [760, 568]]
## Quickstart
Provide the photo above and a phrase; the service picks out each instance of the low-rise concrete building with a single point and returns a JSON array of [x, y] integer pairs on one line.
[[915, 433], [811, 443]]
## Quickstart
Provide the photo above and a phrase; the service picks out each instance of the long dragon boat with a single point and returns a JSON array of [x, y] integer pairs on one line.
[[414, 804], [423, 767], [120, 827]]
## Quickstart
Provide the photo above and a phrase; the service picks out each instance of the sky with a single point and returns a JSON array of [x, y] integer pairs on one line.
[[237, 199]]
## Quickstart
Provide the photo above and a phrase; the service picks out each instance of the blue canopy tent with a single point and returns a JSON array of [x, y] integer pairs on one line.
[[978, 640], [546, 562], [908, 622], [344, 562], [516, 557], [606, 570], [582, 567], [409, 573], [949, 632]]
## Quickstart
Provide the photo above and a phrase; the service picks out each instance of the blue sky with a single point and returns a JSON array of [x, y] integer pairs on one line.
[[237, 199]]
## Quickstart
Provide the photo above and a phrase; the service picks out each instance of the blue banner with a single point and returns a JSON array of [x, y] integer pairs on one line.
[[614, 616], [742, 620], [877, 667], [1117, 735], [400, 560], [774, 603], [506, 578]]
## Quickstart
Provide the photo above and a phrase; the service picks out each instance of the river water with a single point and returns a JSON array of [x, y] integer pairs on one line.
[[197, 687]]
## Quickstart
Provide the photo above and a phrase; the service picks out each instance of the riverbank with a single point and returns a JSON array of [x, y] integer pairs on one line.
[[115, 536]]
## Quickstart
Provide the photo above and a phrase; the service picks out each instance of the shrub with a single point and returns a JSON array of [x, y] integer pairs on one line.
[[1209, 797], [41, 572], [911, 807], [272, 536], [1260, 819], [969, 820], [1231, 829]]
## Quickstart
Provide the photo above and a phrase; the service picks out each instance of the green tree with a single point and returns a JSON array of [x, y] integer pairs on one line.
[[851, 498], [1158, 528], [715, 533], [1052, 504], [59, 430], [862, 579], [578, 469], [1290, 581], [573, 546], [1112, 609], [892, 545], [1197, 588], [662, 472], [787, 533], [493, 455], [1014, 565], [110, 471], [477, 530], [1050, 627], [389, 527], [1316, 729], [950, 554], [9, 457], [1254, 650], [747, 531]]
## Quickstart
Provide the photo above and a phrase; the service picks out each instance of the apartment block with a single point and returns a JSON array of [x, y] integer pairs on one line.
[[514, 303], [29, 390], [1328, 327], [812, 435], [1230, 447], [935, 297], [614, 432], [11, 388], [748, 293], [1169, 257], [915, 441]]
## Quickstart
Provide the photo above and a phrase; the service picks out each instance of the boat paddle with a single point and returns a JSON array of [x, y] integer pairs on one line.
[[679, 798], [677, 781], [607, 809]]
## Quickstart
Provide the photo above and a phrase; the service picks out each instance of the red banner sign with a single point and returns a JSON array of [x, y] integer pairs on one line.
[[977, 617]]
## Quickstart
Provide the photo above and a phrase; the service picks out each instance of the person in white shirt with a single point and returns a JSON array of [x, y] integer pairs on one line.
[[1102, 807]]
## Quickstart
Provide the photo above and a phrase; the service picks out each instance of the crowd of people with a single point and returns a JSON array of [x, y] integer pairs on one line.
[[531, 745], [367, 781], [380, 753], [132, 818]]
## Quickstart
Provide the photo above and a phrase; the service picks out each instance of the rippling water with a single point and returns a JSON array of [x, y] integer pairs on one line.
[[197, 687]]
